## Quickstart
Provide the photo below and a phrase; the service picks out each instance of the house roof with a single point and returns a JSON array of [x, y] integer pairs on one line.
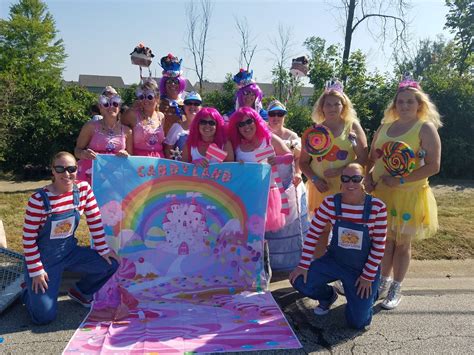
[[101, 81], [267, 88]]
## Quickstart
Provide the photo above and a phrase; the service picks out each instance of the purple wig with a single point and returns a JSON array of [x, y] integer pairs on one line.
[[195, 136], [234, 135], [252, 87], [182, 85]]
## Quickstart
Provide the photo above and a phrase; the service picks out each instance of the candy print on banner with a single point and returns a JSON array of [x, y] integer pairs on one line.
[[191, 241]]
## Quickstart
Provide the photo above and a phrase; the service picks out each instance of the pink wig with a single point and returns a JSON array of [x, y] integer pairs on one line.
[[252, 87], [195, 136], [182, 85], [234, 135]]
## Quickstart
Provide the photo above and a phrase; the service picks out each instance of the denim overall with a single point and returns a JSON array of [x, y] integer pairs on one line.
[[59, 251], [345, 260]]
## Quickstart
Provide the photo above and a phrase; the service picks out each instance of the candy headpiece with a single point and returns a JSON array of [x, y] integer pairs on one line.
[[243, 78], [171, 66], [335, 85], [408, 82], [299, 66]]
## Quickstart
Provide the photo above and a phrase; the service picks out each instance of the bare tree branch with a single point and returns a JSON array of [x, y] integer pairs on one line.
[[198, 27], [247, 47]]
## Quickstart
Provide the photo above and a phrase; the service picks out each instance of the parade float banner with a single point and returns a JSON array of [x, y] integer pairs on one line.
[[191, 277]]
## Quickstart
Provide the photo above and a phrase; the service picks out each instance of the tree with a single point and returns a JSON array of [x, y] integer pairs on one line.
[[28, 42], [388, 14], [460, 21], [223, 100], [247, 46], [281, 51], [198, 27]]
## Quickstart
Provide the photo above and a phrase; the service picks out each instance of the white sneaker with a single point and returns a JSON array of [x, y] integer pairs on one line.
[[394, 296], [384, 286], [339, 287], [324, 307]]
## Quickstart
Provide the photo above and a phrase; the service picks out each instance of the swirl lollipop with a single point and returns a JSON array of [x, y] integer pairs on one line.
[[398, 158], [318, 140]]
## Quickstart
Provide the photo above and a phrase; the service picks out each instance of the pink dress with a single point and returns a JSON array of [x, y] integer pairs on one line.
[[102, 143], [275, 220], [147, 141]]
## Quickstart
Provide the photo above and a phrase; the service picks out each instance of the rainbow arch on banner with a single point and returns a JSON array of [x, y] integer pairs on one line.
[[152, 196]]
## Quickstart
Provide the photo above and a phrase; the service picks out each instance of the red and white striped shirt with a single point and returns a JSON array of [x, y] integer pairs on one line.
[[35, 217], [326, 213]]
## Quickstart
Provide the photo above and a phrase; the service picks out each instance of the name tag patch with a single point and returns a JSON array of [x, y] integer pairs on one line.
[[349, 238], [63, 228]]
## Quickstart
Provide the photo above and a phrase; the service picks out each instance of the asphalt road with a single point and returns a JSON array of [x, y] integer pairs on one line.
[[436, 316]]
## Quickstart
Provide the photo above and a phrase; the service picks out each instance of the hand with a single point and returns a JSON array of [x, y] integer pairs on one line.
[[111, 255], [40, 282], [272, 161], [321, 185], [122, 153], [241, 161], [204, 163], [390, 181], [364, 287], [88, 154], [296, 273], [297, 179], [330, 173]]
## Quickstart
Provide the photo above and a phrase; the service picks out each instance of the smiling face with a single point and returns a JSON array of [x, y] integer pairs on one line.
[[406, 105], [332, 107], [207, 128], [352, 188], [191, 108], [172, 88], [108, 106], [248, 98], [64, 181], [276, 119], [247, 128]]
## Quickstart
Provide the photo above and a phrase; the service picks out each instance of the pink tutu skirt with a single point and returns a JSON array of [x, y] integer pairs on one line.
[[275, 219]]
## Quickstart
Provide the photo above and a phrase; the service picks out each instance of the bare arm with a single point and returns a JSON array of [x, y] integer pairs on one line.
[[230, 152], [279, 146], [81, 151]]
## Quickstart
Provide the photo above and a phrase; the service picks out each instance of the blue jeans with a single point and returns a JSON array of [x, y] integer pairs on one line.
[[43, 306], [325, 270]]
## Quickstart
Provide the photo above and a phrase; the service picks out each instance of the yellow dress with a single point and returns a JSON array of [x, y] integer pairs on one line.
[[341, 154], [411, 207]]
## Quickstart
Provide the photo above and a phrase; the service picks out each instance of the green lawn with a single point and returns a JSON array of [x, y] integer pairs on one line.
[[455, 239]]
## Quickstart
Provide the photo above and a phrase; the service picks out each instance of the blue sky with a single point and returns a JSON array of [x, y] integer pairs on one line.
[[99, 35]]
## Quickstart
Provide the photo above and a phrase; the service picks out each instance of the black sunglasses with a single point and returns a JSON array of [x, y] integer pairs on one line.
[[277, 113], [245, 123], [353, 178], [173, 81], [61, 169], [192, 103], [206, 122]]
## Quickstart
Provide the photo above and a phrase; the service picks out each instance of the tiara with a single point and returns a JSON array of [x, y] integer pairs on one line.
[[334, 84], [407, 81], [171, 66], [243, 78]]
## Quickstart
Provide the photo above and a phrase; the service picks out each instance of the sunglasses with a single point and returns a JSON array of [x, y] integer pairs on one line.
[[245, 123], [211, 123], [114, 101], [247, 93], [173, 81], [192, 103], [277, 113], [353, 178], [150, 95], [61, 169]]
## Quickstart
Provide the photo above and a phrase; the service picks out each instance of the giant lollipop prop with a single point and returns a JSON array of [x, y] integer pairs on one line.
[[318, 140], [398, 158]]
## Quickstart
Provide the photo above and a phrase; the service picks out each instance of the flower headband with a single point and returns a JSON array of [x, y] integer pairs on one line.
[[408, 82], [334, 84]]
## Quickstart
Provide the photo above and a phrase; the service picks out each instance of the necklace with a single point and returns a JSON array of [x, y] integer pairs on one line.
[[110, 131]]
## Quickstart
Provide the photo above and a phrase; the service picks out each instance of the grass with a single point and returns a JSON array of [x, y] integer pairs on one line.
[[455, 239]]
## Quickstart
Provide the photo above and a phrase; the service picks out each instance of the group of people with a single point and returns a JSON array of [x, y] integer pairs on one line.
[[363, 215]]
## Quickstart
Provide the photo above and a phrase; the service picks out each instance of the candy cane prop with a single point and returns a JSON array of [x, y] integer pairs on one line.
[[214, 152], [266, 153]]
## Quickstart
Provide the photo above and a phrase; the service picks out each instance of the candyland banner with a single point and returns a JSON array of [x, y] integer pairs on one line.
[[191, 277]]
